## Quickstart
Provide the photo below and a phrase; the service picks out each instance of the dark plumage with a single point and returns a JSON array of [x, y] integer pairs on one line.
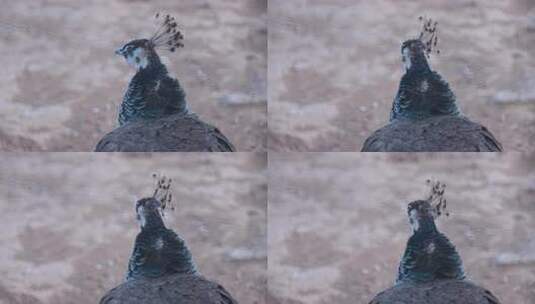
[[431, 270], [429, 255], [422, 92], [435, 134], [176, 133], [158, 251], [425, 116], [161, 269], [173, 289], [438, 292], [151, 93], [152, 97]]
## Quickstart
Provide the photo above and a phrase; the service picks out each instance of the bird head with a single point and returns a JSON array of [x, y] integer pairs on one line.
[[141, 53], [415, 52], [422, 213], [150, 210]]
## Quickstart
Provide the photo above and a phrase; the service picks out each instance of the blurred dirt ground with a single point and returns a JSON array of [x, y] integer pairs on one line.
[[61, 82], [335, 66], [338, 225], [68, 221]]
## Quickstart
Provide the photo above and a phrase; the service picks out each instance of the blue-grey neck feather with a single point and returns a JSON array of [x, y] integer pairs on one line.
[[158, 252], [422, 93], [153, 221], [152, 94], [429, 256]]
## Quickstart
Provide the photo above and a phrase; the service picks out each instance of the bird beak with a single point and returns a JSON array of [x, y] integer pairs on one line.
[[119, 51]]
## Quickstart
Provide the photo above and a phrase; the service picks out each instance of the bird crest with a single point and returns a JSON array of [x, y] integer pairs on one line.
[[167, 36], [436, 198], [429, 35], [162, 192]]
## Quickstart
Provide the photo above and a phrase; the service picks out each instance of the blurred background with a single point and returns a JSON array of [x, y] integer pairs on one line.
[[338, 222], [335, 66], [69, 225], [61, 83]]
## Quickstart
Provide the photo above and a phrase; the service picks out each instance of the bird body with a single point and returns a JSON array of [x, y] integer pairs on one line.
[[431, 270], [429, 256], [436, 292], [159, 252], [151, 93], [425, 116], [174, 133], [445, 133], [161, 269], [171, 289], [423, 94], [154, 115]]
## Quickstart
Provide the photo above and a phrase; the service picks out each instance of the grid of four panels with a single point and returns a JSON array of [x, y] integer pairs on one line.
[[109, 110]]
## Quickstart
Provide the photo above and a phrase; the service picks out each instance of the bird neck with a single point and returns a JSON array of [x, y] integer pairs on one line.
[[153, 221], [154, 69], [183, 261], [418, 63], [161, 252], [426, 226], [423, 94], [429, 257]]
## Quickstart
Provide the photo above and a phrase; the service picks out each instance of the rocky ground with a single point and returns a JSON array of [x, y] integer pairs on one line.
[[338, 225], [334, 67], [61, 82], [68, 221]]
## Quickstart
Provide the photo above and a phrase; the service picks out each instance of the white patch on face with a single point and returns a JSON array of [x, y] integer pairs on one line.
[[141, 216], [138, 59], [424, 86], [158, 244], [406, 58], [413, 220], [430, 248]]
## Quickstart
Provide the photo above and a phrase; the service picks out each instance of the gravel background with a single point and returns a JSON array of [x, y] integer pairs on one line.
[[338, 225], [68, 221], [61, 82], [335, 67]]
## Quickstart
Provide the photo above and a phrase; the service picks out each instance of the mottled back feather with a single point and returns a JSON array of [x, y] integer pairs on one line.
[[173, 289], [175, 133], [425, 117], [438, 292], [435, 134]]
